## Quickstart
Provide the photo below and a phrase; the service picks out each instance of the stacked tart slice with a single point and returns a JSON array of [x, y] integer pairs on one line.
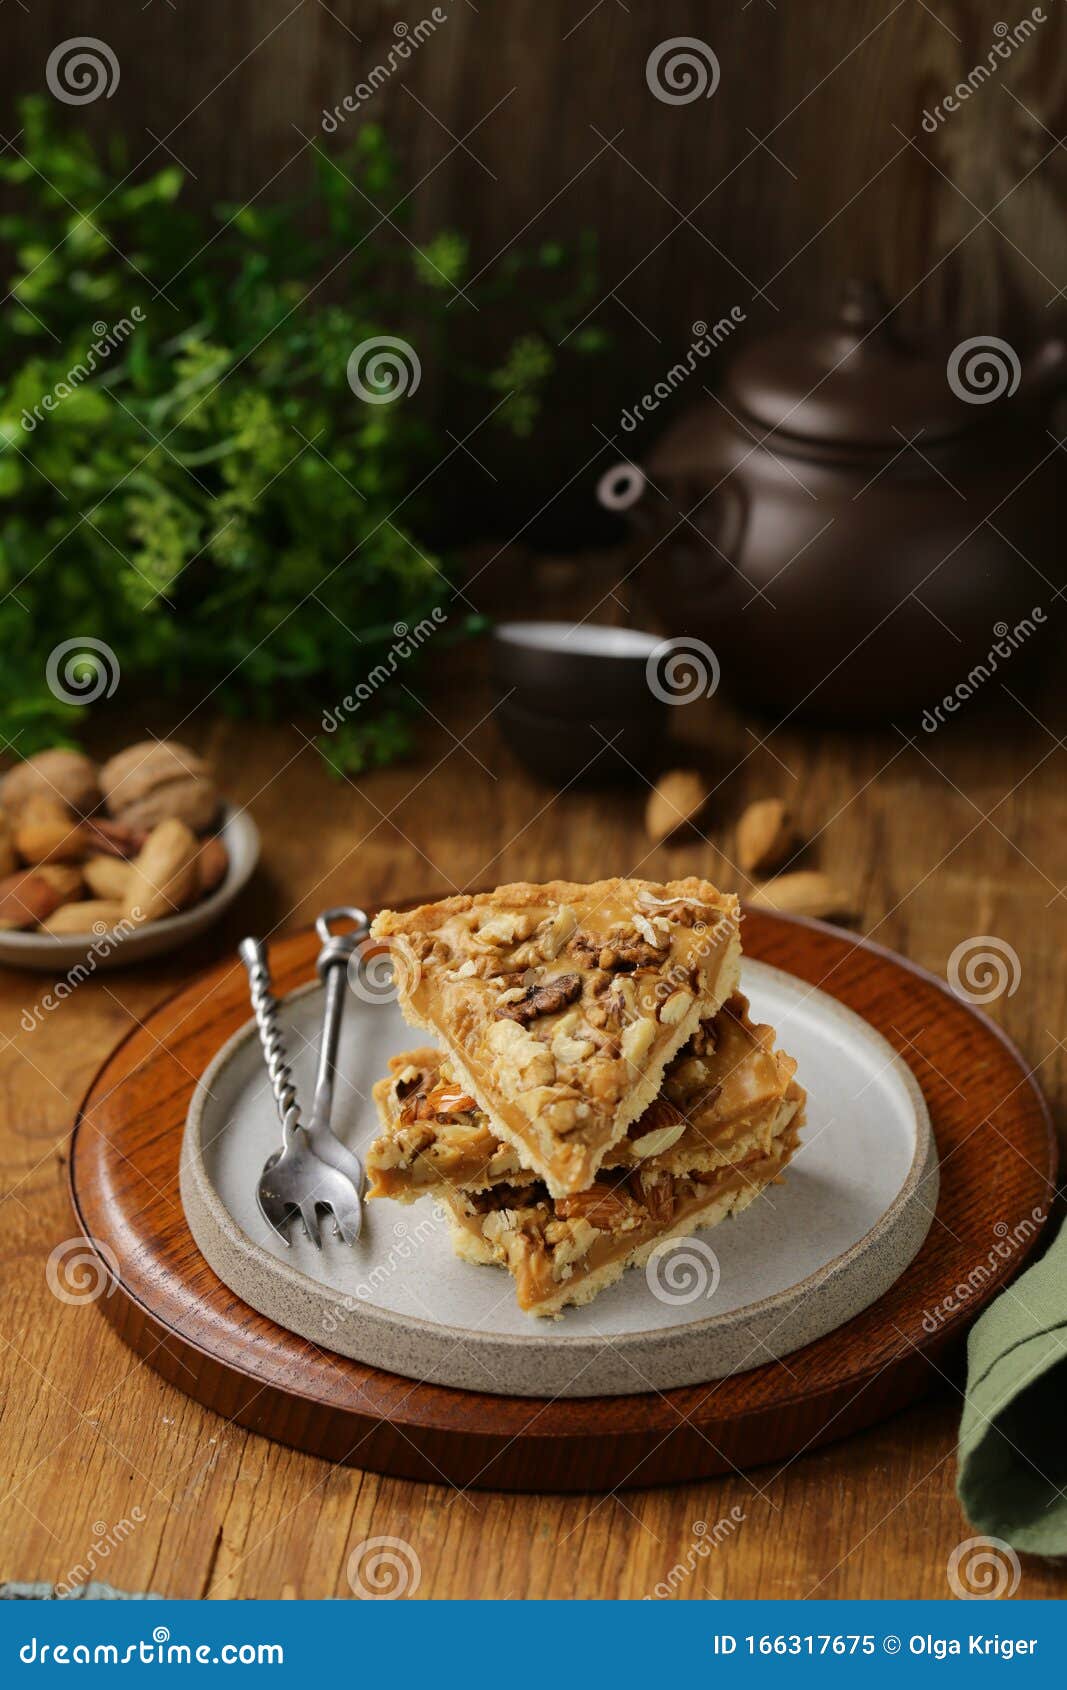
[[597, 1087]]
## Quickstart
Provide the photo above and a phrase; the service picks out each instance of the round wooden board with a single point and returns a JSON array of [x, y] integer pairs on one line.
[[998, 1161]]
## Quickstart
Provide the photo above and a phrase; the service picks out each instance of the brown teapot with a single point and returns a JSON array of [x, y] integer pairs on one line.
[[855, 523]]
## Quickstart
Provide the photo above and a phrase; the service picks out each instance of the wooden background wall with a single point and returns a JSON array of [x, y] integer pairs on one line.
[[809, 163]]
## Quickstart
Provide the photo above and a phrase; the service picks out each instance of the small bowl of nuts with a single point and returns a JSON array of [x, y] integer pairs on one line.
[[111, 863]]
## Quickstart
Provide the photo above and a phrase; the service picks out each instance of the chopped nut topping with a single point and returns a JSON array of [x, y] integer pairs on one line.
[[544, 999], [655, 1192], [629, 952], [603, 1206], [637, 1039]]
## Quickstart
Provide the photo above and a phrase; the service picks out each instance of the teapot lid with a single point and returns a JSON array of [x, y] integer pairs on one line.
[[850, 381]]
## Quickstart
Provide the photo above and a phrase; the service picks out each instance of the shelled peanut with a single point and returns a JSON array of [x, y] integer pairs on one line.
[[83, 848]]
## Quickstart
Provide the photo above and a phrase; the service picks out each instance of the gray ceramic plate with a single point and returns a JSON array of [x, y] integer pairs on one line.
[[809, 1254], [57, 954]]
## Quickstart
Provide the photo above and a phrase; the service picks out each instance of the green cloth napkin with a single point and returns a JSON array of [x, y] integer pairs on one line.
[[1012, 1474]]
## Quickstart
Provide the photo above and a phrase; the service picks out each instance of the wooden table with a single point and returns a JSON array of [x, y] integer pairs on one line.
[[941, 839]]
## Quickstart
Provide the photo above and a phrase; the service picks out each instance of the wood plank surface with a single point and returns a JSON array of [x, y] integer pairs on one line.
[[521, 122], [997, 1155], [957, 836]]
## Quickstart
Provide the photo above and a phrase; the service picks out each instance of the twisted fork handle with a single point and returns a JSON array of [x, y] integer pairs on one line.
[[253, 954]]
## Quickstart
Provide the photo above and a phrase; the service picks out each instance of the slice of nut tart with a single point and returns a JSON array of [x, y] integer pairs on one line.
[[717, 1093], [723, 1127], [559, 1006], [566, 1250]]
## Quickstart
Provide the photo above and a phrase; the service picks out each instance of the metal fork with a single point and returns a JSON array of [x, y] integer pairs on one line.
[[299, 1178]]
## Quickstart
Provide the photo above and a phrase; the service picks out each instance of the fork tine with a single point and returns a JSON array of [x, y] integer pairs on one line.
[[349, 1219], [310, 1218], [277, 1215]]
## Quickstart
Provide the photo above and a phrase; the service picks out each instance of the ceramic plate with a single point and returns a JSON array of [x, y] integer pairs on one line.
[[805, 1257], [62, 952]]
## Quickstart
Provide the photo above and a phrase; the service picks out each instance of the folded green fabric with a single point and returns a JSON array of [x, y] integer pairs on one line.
[[1012, 1474]]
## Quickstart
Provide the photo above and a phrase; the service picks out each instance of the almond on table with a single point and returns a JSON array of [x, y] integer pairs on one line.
[[559, 1006]]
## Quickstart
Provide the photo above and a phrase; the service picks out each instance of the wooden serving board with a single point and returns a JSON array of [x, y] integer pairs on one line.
[[998, 1160]]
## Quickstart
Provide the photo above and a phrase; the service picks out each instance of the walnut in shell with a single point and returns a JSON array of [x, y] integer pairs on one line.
[[65, 776], [159, 780]]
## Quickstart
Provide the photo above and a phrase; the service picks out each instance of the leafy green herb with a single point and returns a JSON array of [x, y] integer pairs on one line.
[[186, 474]]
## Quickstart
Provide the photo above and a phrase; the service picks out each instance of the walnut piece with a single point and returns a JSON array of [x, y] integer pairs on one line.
[[543, 999]]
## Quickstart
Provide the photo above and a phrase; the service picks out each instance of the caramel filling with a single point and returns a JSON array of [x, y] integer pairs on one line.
[[552, 1246]]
